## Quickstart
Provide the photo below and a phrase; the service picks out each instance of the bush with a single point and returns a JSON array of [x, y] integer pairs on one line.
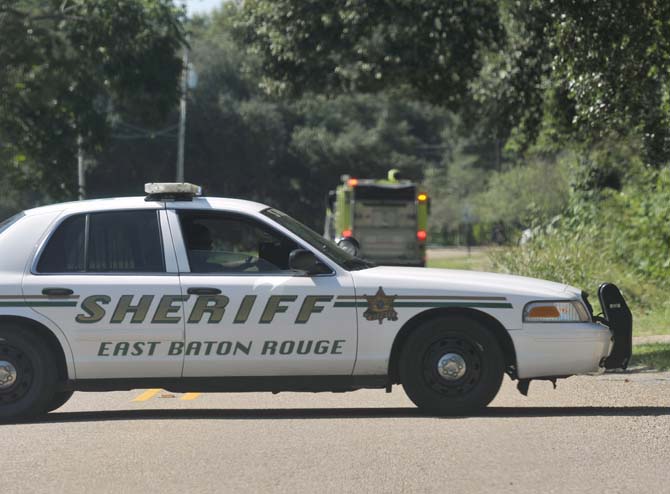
[[622, 237], [526, 194], [640, 218]]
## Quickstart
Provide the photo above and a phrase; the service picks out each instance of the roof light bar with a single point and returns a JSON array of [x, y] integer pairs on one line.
[[171, 191]]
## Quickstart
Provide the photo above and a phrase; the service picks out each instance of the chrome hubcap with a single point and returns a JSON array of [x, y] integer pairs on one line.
[[451, 366], [7, 374]]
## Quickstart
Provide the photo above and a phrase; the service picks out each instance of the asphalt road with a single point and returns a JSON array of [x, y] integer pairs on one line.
[[605, 434]]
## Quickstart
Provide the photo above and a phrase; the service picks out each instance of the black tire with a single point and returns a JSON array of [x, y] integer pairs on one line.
[[470, 388], [59, 399], [32, 390]]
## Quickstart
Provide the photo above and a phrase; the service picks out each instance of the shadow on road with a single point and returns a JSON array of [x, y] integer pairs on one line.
[[337, 413]]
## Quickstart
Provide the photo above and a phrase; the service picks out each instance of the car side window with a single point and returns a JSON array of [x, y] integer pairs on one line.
[[65, 251], [125, 241], [230, 244], [109, 242]]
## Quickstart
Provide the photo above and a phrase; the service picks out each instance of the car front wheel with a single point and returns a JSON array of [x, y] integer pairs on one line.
[[451, 366]]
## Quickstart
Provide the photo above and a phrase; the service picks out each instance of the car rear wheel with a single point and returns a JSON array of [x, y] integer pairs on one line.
[[451, 366], [27, 374]]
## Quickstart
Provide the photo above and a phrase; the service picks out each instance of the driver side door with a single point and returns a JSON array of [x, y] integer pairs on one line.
[[247, 313]]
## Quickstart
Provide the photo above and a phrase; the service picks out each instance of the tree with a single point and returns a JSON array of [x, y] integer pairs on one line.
[[241, 142], [507, 98], [364, 136], [68, 65], [583, 71], [612, 60], [430, 47]]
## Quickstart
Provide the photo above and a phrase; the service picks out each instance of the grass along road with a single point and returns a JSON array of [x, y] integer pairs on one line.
[[476, 259]]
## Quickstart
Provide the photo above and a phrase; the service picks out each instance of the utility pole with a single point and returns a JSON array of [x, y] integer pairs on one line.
[[81, 172], [182, 119]]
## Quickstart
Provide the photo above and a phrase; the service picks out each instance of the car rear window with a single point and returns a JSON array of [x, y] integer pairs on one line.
[[110, 242]]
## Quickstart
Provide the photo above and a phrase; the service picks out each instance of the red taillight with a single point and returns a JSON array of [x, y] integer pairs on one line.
[[347, 233], [352, 182], [421, 235]]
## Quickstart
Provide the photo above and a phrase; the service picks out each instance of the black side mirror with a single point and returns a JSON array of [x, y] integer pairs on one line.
[[306, 261]]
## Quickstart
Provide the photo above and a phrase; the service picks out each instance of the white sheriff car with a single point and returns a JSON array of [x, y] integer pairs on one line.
[[189, 293]]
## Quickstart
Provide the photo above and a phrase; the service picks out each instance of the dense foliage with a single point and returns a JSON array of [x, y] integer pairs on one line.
[[67, 67], [586, 69], [240, 142], [572, 97], [619, 236], [432, 47]]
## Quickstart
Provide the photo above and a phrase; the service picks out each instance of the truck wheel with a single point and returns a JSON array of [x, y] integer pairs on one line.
[[451, 366], [27, 374], [59, 399]]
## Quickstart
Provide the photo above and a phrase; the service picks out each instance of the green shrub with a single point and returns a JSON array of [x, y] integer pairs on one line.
[[526, 194], [585, 263], [622, 237], [640, 220]]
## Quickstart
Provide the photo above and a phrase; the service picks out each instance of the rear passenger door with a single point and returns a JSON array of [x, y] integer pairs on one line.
[[109, 281]]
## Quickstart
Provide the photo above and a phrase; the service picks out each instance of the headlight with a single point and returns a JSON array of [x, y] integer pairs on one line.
[[564, 311]]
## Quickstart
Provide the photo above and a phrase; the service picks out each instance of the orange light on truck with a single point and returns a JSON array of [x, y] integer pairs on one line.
[[352, 182], [422, 197], [421, 235], [347, 233]]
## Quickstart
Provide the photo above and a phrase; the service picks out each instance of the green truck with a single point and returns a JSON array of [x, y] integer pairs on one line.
[[383, 220]]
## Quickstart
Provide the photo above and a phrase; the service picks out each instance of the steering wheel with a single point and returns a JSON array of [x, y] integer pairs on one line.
[[249, 262]]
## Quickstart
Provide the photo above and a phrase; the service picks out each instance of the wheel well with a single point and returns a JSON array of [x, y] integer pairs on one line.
[[45, 333], [489, 322]]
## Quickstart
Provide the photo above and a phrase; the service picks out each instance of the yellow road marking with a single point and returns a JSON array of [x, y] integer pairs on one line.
[[190, 396], [147, 395]]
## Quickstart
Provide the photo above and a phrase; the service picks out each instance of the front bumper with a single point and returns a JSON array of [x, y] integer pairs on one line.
[[548, 349], [545, 350]]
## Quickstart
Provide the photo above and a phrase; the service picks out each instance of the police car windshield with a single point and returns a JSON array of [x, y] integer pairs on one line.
[[330, 249]]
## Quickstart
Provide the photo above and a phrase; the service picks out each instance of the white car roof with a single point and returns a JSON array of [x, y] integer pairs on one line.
[[119, 203]]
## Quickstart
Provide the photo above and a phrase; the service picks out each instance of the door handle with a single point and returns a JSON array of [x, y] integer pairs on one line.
[[57, 292], [201, 290]]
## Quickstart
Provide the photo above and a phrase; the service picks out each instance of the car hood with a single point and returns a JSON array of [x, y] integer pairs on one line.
[[427, 281]]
